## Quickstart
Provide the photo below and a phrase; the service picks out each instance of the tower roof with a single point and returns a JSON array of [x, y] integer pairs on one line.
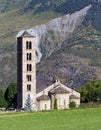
[[26, 34]]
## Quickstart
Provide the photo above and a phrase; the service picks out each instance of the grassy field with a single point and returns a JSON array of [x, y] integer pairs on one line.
[[78, 119]]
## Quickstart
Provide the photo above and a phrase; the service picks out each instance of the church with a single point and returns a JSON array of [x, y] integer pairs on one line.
[[26, 81]]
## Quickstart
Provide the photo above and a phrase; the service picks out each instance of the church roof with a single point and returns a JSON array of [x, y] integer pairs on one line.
[[73, 97], [26, 34], [43, 98], [59, 90]]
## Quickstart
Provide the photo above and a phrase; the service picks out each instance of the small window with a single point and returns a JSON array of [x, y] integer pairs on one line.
[[28, 87], [64, 102], [45, 107], [28, 77], [28, 45], [29, 67], [29, 56]]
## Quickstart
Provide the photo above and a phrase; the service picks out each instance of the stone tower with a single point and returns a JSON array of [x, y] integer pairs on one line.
[[26, 69]]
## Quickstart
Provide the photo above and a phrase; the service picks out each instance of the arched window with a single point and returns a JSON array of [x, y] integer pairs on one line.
[[28, 77], [64, 103], [29, 67], [28, 87], [29, 56], [28, 45], [45, 107]]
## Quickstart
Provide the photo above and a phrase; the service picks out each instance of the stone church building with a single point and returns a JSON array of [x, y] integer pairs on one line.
[[26, 80]]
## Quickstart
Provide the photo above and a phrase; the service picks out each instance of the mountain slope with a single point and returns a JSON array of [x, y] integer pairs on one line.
[[58, 41], [8, 5], [51, 35], [60, 6], [78, 37]]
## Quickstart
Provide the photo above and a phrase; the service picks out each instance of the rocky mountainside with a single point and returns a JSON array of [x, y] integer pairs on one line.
[[67, 47], [51, 35]]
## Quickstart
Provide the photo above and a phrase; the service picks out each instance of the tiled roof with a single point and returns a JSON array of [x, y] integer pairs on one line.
[[43, 98], [73, 97], [59, 90]]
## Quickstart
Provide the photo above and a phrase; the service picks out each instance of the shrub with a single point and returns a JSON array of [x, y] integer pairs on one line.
[[72, 104], [55, 103], [3, 103]]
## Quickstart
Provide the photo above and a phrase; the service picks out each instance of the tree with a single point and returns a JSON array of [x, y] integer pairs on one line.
[[11, 95], [3, 103], [91, 92], [28, 104], [55, 103]]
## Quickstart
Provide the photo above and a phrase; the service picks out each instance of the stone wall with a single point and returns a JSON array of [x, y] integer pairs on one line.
[[43, 105]]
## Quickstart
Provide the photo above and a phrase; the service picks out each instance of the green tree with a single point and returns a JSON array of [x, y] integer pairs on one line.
[[91, 91], [11, 95], [2, 99], [55, 103]]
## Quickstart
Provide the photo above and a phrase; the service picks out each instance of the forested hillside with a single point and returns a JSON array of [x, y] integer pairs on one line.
[[83, 44]]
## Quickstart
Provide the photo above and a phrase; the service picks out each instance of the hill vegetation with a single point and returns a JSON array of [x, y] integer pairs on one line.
[[91, 92], [8, 96], [16, 15]]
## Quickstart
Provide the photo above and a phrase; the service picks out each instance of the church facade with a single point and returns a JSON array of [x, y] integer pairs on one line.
[[26, 80]]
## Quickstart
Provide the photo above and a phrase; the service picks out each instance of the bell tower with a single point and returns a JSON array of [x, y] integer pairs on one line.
[[26, 69]]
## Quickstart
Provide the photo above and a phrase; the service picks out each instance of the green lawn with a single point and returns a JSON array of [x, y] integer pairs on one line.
[[78, 119]]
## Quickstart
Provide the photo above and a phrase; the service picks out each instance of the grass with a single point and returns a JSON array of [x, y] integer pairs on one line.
[[78, 119], [12, 22]]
